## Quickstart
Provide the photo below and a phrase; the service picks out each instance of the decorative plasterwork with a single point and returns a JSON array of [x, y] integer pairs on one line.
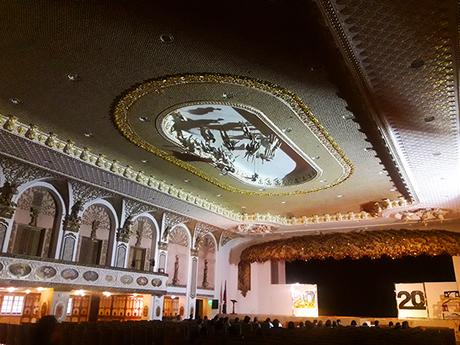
[[355, 245], [47, 205], [97, 216], [295, 104], [172, 219], [227, 236], [178, 236], [83, 193], [143, 227], [49, 273], [423, 215], [254, 229], [206, 244], [134, 208], [18, 173], [12, 125], [25, 172]]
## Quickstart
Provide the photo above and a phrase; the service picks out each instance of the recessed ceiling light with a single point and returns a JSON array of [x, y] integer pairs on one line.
[[262, 189], [287, 130], [15, 100], [323, 180], [417, 63], [88, 134], [186, 180], [144, 161], [348, 117], [227, 95], [166, 38], [283, 202], [315, 158], [73, 77], [381, 172], [339, 196], [436, 153], [219, 195], [393, 189], [429, 118], [243, 207], [144, 118]]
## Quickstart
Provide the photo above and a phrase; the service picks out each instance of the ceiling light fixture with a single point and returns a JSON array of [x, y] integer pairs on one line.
[[11, 289], [166, 38], [339, 196], [144, 119], [348, 117], [393, 189], [243, 207], [287, 130], [73, 77], [283, 202], [15, 100], [227, 95], [88, 134], [381, 172], [219, 195], [144, 161], [323, 180], [186, 180], [315, 158]]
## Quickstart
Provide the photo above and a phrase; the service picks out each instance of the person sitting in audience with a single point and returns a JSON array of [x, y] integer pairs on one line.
[[365, 324], [290, 325], [390, 324], [277, 324], [267, 324], [334, 324], [320, 324], [301, 325], [309, 324], [46, 331], [353, 323], [339, 323], [376, 324], [398, 325], [405, 325], [315, 323], [328, 324]]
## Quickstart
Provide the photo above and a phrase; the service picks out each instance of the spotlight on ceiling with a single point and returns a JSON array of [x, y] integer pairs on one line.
[[144, 118], [144, 161], [339, 196], [73, 77], [88, 134], [15, 100], [186, 180], [283, 202], [166, 38], [323, 180], [219, 195]]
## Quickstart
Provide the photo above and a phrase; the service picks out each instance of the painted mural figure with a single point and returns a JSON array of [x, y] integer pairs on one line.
[[175, 279]]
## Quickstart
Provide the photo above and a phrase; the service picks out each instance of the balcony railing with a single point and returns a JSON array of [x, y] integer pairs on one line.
[[49, 272]]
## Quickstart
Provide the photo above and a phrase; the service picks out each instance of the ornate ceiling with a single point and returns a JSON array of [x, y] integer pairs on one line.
[[241, 115]]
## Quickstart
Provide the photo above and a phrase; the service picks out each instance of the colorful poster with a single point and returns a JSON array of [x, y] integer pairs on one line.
[[411, 300], [304, 300]]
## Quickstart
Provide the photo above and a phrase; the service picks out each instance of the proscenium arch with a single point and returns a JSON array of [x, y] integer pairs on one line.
[[61, 211]]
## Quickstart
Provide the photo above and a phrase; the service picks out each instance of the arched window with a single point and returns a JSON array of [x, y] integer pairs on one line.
[[36, 224], [95, 230], [142, 244]]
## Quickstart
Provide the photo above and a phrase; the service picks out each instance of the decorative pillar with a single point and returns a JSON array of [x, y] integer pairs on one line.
[[162, 259], [122, 245], [192, 283], [156, 310], [71, 227]]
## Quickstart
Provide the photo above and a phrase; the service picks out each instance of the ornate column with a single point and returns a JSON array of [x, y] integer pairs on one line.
[[156, 310], [192, 283], [16, 174], [80, 194]]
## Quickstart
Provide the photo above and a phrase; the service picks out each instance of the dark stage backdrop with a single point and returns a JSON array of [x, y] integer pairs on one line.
[[365, 287]]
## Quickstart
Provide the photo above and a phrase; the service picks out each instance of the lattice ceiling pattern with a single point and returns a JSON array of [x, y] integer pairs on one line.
[[405, 54]]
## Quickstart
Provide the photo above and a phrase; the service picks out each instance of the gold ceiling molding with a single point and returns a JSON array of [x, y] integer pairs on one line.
[[354, 245], [156, 86], [52, 141]]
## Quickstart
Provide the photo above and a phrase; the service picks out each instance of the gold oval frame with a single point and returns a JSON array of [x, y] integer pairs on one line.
[[126, 101]]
